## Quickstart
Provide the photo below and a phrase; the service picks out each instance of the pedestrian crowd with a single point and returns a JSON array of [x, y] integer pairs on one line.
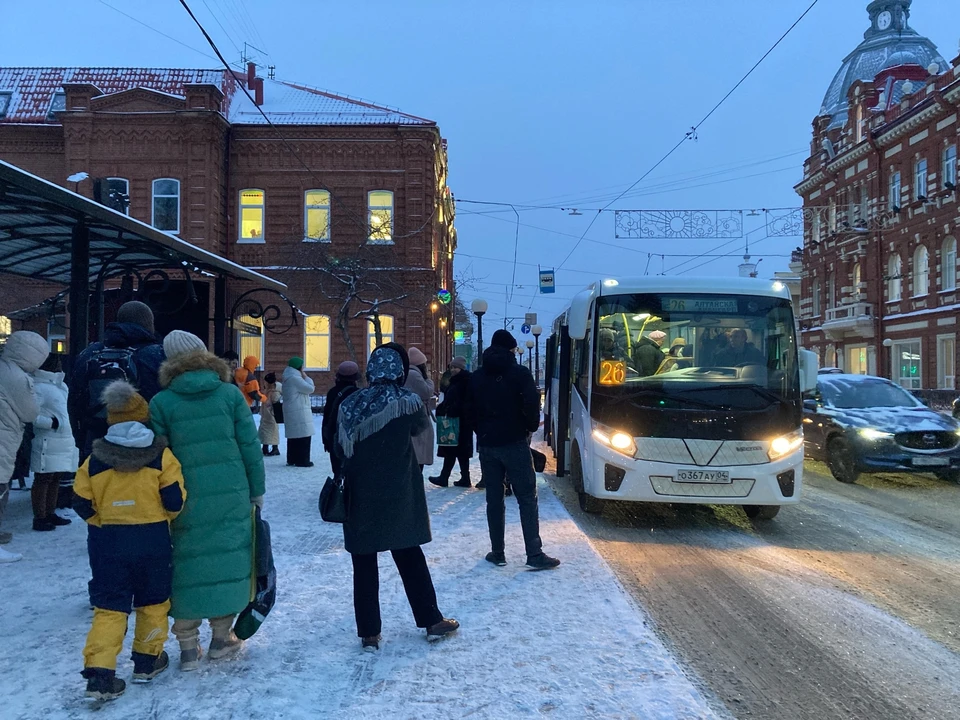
[[158, 449]]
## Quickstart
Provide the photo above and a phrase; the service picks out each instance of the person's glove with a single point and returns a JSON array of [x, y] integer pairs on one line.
[[258, 501]]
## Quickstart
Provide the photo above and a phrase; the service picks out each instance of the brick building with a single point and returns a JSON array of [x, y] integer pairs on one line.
[[879, 281], [344, 201]]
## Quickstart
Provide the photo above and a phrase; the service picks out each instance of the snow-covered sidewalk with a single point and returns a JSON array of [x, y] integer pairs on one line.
[[566, 643]]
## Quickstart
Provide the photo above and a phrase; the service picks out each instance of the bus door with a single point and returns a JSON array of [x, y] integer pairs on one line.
[[548, 390], [564, 387]]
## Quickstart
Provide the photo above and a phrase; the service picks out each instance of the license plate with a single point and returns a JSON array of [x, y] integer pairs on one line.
[[703, 476], [931, 461]]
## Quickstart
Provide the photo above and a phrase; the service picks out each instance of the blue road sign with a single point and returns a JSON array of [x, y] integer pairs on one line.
[[525, 329]]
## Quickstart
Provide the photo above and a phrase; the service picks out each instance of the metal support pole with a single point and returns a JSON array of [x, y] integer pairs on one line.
[[219, 315], [479, 339], [536, 364], [79, 291]]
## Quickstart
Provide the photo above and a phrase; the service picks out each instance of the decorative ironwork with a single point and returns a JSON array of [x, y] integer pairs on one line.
[[670, 224], [269, 312], [789, 222]]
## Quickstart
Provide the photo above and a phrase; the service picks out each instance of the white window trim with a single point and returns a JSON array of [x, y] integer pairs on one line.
[[306, 208], [816, 304], [387, 337], [941, 378], [918, 292], [896, 181], [393, 218], [153, 202], [896, 366], [263, 217], [946, 271], [920, 185], [896, 276], [263, 346], [127, 193], [950, 164], [855, 348], [328, 335]]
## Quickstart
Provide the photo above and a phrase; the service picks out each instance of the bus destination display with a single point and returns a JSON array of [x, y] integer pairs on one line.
[[699, 305]]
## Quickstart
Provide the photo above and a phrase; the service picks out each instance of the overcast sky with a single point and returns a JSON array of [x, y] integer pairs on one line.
[[549, 102]]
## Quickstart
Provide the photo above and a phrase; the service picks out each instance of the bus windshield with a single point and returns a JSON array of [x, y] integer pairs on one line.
[[694, 352]]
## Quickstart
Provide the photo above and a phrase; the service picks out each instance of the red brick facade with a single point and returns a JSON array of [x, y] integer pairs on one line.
[[142, 134]]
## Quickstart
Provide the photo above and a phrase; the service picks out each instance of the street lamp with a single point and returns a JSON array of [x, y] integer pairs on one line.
[[479, 308], [537, 330], [530, 345]]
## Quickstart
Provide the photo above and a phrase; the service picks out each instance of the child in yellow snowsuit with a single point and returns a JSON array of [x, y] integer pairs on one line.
[[128, 491]]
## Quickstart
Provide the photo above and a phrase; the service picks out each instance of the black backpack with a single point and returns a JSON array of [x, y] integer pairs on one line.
[[106, 366]]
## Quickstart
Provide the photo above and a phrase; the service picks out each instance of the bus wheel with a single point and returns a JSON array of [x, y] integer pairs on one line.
[[588, 503], [761, 512]]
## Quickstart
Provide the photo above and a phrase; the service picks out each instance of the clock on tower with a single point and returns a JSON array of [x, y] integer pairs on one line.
[[884, 20], [888, 16]]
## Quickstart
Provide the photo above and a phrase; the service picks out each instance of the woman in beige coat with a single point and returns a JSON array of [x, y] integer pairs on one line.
[[419, 383]]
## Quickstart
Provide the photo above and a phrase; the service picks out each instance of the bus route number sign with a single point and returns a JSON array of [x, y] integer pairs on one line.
[[699, 305], [613, 372]]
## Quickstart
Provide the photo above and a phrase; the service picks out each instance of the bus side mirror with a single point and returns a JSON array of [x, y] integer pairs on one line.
[[578, 317], [810, 405], [808, 371]]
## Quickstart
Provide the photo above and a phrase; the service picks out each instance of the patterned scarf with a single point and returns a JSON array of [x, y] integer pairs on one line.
[[368, 411]]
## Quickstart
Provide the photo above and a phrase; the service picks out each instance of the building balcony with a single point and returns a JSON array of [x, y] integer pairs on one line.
[[851, 320]]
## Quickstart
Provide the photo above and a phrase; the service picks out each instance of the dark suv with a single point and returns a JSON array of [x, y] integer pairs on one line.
[[860, 423]]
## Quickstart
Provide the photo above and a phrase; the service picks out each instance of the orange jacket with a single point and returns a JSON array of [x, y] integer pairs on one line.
[[247, 382]]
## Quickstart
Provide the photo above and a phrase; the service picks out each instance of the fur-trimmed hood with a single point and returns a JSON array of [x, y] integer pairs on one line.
[[174, 368], [128, 459]]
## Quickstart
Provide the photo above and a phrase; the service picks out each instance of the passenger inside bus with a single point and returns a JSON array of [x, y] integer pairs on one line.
[[739, 351], [647, 354], [610, 349], [677, 357]]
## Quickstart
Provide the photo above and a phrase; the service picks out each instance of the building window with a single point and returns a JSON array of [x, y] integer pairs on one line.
[[57, 104], [386, 332], [831, 291], [856, 360], [950, 166], [948, 260], [894, 280], [166, 205], [57, 333], [832, 217], [4, 103], [250, 337], [815, 290], [906, 364], [251, 215], [815, 227], [920, 181], [316, 216], [864, 210], [856, 280], [316, 342], [380, 216], [946, 362], [921, 272], [118, 195], [895, 192]]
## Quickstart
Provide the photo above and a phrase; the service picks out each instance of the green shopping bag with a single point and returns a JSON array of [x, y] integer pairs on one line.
[[448, 431]]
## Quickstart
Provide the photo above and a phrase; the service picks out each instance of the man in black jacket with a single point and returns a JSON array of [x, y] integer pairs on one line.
[[505, 407], [347, 383]]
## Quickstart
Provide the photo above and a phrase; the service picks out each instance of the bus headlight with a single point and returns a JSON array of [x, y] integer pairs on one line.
[[615, 439], [785, 444]]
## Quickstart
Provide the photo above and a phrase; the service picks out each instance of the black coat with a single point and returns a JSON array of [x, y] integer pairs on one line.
[[647, 357], [503, 402], [454, 405], [331, 408], [386, 503]]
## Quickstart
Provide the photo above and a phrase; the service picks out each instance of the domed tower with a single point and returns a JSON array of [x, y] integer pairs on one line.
[[888, 42]]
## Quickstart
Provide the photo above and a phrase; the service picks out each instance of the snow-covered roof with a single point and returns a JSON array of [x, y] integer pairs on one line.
[[32, 92]]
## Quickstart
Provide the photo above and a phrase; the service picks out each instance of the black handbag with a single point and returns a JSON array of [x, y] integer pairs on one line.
[[539, 460], [333, 501], [249, 621], [278, 412]]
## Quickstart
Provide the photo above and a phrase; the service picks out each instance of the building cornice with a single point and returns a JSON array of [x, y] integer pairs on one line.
[[810, 183]]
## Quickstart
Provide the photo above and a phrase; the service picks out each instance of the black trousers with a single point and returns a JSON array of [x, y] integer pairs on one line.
[[412, 566], [513, 462], [298, 451], [448, 463]]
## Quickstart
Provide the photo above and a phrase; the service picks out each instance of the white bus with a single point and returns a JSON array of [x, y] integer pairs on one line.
[[679, 390]]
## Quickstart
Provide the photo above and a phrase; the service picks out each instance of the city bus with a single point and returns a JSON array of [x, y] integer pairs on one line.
[[679, 390]]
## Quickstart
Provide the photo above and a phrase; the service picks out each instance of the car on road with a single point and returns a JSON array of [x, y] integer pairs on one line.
[[861, 423]]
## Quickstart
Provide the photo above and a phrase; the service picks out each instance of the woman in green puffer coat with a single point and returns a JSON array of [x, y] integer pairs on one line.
[[209, 427]]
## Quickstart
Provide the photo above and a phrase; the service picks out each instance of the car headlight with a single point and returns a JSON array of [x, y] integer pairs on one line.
[[615, 439], [874, 435], [785, 444]]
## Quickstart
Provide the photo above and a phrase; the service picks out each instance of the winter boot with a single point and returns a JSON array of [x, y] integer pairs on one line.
[[103, 684], [439, 482], [542, 562], [147, 667], [58, 521], [481, 485], [463, 482], [190, 657], [498, 559], [371, 644], [266, 450], [43, 525], [224, 647], [275, 452], [441, 629]]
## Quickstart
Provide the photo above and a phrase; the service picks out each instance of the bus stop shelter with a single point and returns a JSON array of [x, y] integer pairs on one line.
[[52, 234]]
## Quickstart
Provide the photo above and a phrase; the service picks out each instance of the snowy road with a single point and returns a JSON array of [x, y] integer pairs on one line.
[[846, 606]]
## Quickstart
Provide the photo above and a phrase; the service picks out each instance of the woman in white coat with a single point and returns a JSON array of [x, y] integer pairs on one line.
[[419, 383], [54, 455], [297, 413], [23, 353]]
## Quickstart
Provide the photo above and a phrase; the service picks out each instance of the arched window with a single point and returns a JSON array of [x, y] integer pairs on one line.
[[316, 342], [316, 216], [380, 216], [948, 261], [894, 281], [251, 215], [386, 332], [921, 272], [165, 214]]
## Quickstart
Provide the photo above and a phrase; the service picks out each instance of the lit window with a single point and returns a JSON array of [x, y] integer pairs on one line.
[[921, 272], [906, 364], [948, 260], [4, 103], [57, 333], [920, 181], [895, 197], [894, 269], [250, 337], [380, 216], [316, 342], [950, 165], [166, 205], [6, 327], [251, 215], [57, 104], [117, 195], [946, 362], [316, 216], [386, 332]]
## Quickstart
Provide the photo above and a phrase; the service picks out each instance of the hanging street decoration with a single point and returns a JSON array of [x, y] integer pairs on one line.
[[680, 224], [444, 297]]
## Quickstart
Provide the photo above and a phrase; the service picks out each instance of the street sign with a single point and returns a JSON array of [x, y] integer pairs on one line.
[[525, 329], [530, 319], [458, 335], [247, 328], [444, 297], [547, 282]]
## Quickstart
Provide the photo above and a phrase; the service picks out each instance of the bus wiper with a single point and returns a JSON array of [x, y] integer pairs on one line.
[[656, 395], [756, 389]]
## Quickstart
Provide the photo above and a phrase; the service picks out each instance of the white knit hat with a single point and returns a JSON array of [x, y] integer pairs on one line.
[[179, 342]]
